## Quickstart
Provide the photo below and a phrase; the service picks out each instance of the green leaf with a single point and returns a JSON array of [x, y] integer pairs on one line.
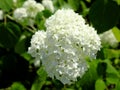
[[37, 85], [101, 68], [6, 5], [100, 85], [47, 13], [74, 4], [40, 80], [88, 80], [104, 14], [20, 46], [118, 85], [85, 10], [41, 73], [61, 2], [111, 70], [112, 80], [40, 20], [17, 86], [112, 53], [118, 1], [116, 32], [26, 56], [19, 3], [9, 34]]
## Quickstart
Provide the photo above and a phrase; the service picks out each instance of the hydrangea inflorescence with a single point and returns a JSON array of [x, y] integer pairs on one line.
[[64, 46], [28, 11]]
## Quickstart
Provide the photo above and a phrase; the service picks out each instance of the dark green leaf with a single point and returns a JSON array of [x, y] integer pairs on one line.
[[20, 46], [101, 69], [9, 34], [104, 14], [47, 13]]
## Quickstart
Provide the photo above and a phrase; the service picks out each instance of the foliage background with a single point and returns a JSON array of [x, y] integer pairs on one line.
[[17, 71]]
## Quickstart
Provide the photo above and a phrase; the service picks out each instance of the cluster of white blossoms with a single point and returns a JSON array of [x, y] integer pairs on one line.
[[1, 15], [108, 38], [20, 14], [48, 4], [28, 11], [64, 46]]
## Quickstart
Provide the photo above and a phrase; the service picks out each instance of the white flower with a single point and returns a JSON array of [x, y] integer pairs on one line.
[[33, 7], [20, 14], [1, 15], [37, 43], [65, 19], [48, 4], [108, 38], [67, 44]]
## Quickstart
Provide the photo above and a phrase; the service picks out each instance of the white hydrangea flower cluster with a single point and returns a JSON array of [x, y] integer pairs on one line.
[[20, 14], [108, 38], [28, 11], [65, 45], [33, 7], [1, 14], [48, 4]]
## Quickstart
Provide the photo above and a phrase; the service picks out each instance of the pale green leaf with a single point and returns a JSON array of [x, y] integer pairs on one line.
[[100, 85], [116, 32], [17, 86]]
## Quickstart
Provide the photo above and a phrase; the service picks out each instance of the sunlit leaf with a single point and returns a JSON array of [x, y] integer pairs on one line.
[[100, 85], [17, 86], [74, 4], [6, 5], [116, 32]]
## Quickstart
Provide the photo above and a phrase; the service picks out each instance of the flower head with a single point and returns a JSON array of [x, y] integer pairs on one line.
[[48, 4], [20, 14], [67, 44], [33, 7]]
